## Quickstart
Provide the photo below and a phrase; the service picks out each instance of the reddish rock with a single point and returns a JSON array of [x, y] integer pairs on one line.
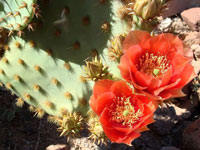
[[177, 6], [191, 136], [192, 38], [57, 147], [192, 18]]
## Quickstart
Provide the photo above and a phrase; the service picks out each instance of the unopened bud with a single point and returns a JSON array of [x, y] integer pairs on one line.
[[147, 8]]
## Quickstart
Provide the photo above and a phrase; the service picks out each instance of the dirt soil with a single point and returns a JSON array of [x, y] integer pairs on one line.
[[19, 130]]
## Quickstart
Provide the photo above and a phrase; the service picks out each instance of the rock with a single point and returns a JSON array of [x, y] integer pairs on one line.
[[196, 62], [189, 106], [166, 117], [170, 114], [179, 27], [148, 141], [151, 141], [191, 136], [177, 6], [196, 65], [172, 25], [182, 113], [165, 24], [192, 18], [196, 49], [192, 38], [82, 143], [58, 147], [177, 132], [169, 148]]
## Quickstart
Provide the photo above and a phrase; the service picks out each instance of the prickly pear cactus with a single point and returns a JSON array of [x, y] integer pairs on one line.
[[45, 68], [74, 43], [15, 15]]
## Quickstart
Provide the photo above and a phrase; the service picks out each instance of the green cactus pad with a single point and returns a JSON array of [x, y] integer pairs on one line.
[[46, 67], [119, 27], [16, 14], [43, 81]]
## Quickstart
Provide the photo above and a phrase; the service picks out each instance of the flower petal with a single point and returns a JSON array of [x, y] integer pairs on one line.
[[175, 42], [114, 135], [142, 98], [127, 65], [143, 79], [160, 44], [133, 53], [120, 137], [166, 77], [124, 68], [158, 91], [148, 111], [109, 128], [105, 119], [92, 103], [120, 89], [186, 76], [137, 37], [129, 138], [129, 60], [150, 95], [136, 85], [101, 102], [154, 84], [172, 94], [160, 81], [178, 62], [166, 43], [144, 127], [102, 86]]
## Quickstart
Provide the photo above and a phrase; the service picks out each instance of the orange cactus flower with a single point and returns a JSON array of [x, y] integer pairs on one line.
[[123, 115], [156, 66]]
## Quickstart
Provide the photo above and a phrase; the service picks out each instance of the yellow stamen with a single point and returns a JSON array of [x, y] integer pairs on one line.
[[123, 112], [153, 64]]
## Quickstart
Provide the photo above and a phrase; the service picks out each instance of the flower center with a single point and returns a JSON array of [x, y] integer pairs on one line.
[[153, 64], [123, 112]]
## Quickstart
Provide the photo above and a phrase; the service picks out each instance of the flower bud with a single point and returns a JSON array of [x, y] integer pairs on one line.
[[115, 49], [95, 70], [95, 128], [147, 8]]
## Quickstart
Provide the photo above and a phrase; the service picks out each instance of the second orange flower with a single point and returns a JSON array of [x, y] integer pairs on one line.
[[156, 66]]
